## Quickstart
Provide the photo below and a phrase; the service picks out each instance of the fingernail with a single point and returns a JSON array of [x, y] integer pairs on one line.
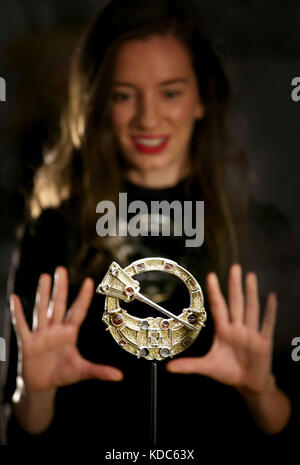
[[236, 265], [274, 296], [209, 275], [118, 376], [171, 367], [89, 282]]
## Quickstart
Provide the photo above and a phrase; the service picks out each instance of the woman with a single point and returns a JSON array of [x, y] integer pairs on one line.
[[146, 115]]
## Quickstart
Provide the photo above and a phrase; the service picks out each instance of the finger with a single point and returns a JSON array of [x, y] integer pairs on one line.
[[189, 365], [40, 318], [91, 370], [268, 323], [235, 294], [18, 317], [60, 295], [252, 301], [80, 306], [216, 299]]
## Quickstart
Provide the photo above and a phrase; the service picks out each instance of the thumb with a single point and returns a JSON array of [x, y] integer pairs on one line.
[[189, 365], [104, 372]]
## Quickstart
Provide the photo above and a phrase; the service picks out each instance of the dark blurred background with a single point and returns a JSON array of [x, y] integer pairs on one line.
[[259, 40]]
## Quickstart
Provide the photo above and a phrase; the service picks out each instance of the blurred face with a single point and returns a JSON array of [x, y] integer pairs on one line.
[[155, 103]]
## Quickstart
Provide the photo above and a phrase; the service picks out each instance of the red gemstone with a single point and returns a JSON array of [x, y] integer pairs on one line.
[[122, 342], [168, 266], [129, 290], [165, 324], [117, 320]]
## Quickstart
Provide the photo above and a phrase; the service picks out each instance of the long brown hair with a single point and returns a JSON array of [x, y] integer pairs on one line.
[[83, 167]]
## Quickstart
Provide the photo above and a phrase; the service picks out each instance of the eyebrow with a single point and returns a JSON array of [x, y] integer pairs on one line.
[[163, 83]]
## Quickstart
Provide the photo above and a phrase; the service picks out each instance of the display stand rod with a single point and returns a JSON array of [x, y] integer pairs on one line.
[[154, 402]]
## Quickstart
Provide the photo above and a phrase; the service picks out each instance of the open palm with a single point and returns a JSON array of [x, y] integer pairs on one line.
[[49, 354], [241, 353]]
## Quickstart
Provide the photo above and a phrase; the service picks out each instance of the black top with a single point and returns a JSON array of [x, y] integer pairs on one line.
[[193, 410]]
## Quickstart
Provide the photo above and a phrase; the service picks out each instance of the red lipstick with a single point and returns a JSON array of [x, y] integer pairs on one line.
[[150, 144]]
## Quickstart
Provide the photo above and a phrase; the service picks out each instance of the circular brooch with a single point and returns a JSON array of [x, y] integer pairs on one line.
[[152, 337]]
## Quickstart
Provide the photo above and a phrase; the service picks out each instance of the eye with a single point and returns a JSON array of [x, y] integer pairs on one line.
[[171, 94], [118, 96]]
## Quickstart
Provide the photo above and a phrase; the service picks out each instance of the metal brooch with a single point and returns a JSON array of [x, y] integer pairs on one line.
[[152, 337]]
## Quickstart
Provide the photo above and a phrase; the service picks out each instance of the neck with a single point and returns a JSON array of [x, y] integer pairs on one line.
[[157, 179]]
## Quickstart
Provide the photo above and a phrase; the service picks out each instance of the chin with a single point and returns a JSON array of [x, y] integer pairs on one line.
[[153, 166], [148, 161]]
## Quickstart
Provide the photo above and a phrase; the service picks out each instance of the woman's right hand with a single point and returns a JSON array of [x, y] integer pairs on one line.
[[49, 353]]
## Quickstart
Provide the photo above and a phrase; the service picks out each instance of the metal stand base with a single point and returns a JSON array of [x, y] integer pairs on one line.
[[154, 402]]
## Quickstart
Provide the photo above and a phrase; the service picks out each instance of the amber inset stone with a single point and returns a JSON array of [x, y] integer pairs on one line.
[[141, 266], [165, 324], [117, 320], [129, 290], [122, 342], [169, 267], [192, 318]]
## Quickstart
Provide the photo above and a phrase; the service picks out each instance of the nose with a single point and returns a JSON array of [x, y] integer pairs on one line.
[[147, 112]]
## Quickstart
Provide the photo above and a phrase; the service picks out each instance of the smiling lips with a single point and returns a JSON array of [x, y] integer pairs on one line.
[[150, 144]]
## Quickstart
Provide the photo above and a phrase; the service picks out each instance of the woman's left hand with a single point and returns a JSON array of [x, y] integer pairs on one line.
[[241, 353]]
